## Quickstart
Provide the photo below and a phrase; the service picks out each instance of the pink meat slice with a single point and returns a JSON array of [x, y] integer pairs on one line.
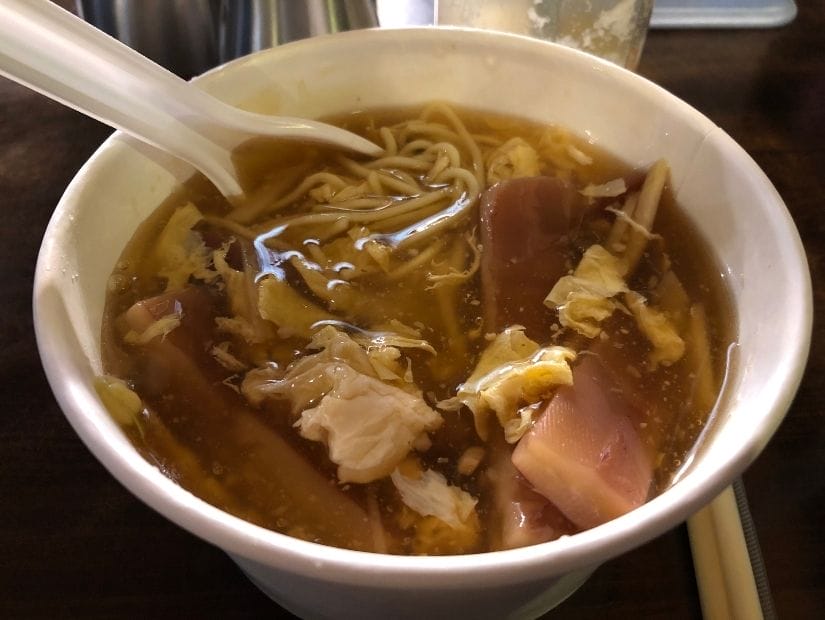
[[584, 453], [524, 227], [524, 517]]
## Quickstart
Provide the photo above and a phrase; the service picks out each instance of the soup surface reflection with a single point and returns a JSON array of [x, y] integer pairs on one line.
[[492, 335]]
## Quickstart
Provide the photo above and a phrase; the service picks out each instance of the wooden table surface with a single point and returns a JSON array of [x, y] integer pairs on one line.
[[74, 543]]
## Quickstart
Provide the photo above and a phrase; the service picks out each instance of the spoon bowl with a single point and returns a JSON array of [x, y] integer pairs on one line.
[[59, 55]]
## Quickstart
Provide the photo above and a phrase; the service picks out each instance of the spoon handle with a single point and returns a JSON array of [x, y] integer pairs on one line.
[[59, 55]]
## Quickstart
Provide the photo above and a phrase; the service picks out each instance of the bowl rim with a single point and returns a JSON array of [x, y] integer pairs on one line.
[[583, 550]]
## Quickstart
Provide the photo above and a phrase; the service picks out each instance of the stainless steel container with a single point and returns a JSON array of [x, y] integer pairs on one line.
[[190, 36], [251, 25], [181, 35]]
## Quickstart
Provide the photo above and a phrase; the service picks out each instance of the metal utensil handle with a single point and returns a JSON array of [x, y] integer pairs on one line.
[[760, 573]]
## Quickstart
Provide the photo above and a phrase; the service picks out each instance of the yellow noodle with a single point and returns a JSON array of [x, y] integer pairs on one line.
[[363, 216], [355, 204], [353, 166], [437, 131], [349, 192], [434, 224], [319, 178], [464, 136], [416, 146], [316, 253], [338, 227], [398, 161], [440, 165], [407, 219], [462, 174], [423, 257], [403, 176], [375, 183], [406, 186], [445, 148], [390, 145], [234, 227], [262, 199]]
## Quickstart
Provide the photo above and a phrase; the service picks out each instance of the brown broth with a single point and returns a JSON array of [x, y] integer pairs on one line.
[[212, 446]]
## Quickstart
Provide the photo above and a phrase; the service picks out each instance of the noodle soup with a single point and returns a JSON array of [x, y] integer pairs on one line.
[[490, 336]]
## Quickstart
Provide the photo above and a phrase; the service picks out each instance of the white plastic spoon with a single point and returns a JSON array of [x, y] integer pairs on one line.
[[59, 55]]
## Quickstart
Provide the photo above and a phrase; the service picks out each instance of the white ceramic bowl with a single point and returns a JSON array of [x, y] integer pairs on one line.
[[724, 192]]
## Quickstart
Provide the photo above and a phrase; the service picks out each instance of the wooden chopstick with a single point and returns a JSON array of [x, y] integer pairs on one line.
[[727, 587]]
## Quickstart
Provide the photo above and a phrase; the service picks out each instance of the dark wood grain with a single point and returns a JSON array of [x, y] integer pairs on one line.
[[74, 543]]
